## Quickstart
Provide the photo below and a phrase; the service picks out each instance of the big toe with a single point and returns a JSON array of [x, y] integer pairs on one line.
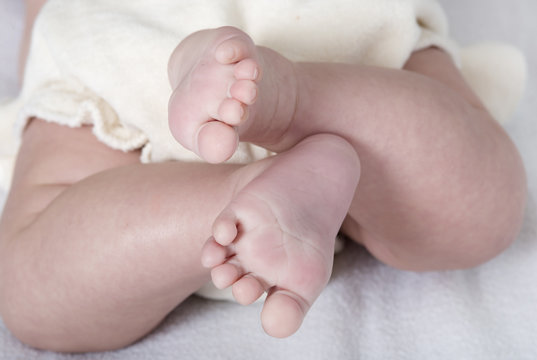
[[216, 142], [283, 314]]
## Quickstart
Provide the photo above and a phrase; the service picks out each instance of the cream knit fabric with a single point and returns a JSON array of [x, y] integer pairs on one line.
[[104, 62]]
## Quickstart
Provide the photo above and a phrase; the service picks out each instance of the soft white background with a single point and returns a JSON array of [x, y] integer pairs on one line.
[[369, 311]]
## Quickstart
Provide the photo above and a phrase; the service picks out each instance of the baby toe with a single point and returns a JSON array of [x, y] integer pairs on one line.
[[247, 69], [225, 228], [216, 142], [232, 50], [244, 91], [283, 313], [213, 253], [247, 289], [225, 275], [232, 112]]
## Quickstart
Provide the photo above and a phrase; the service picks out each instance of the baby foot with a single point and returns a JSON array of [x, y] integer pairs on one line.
[[216, 77], [214, 74], [278, 233]]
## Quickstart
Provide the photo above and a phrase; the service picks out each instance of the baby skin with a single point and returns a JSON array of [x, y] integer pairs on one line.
[[407, 159], [274, 236], [277, 234]]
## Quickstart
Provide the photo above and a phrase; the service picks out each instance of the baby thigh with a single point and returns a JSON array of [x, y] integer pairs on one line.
[[96, 248], [424, 219]]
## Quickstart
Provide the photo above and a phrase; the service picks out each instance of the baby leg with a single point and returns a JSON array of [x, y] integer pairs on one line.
[[278, 232], [437, 169], [96, 248]]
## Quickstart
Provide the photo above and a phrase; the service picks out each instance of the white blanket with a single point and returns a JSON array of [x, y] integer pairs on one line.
[[370, 311]]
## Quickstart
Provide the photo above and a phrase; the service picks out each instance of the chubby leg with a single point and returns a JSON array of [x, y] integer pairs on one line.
[[96, 248], [278, 232], [442, 185]]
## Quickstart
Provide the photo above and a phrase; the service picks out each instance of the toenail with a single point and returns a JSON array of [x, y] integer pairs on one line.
[[256, 74]]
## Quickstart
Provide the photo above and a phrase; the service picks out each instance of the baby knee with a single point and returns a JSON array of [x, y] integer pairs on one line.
[[479, 249], [493, 229], [451, 250]]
